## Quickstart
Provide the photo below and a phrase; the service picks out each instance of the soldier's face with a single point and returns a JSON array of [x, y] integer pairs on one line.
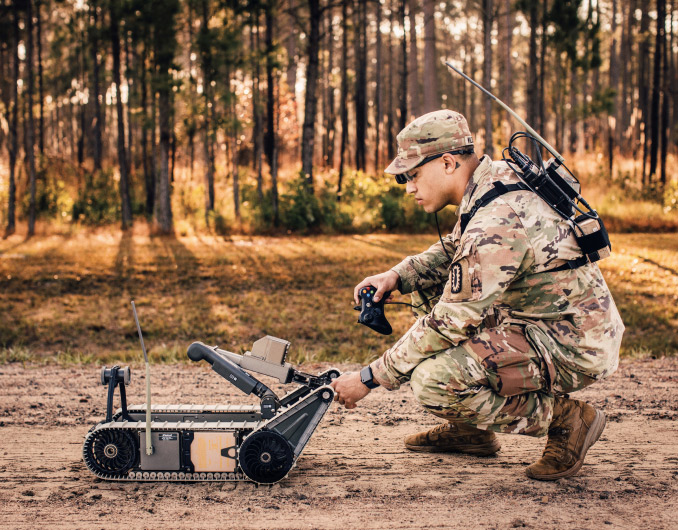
[[439, 183]]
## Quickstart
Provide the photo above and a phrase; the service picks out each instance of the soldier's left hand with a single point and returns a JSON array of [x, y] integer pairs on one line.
[[349, 389]]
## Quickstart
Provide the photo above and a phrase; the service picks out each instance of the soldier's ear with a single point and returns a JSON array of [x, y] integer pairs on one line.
[[451, 163]]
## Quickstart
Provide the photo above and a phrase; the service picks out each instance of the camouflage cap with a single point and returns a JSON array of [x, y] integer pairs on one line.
[[431, 134]]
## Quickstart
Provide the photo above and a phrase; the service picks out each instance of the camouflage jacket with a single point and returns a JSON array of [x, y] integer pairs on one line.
[[501, 272]]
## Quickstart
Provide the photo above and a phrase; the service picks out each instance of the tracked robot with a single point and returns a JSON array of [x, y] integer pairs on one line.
[[195, 443]]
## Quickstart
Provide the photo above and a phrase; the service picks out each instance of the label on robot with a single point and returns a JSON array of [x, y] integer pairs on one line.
[[213, 452]]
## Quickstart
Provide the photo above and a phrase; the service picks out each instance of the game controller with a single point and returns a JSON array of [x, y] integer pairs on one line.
[[371, 312]]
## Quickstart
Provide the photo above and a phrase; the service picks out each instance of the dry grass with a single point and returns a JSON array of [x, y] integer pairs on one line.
[[66, 298]]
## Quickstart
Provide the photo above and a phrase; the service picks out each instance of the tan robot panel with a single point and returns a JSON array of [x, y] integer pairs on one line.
[[213, 451]]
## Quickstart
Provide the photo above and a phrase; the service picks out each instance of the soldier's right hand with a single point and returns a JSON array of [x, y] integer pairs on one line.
[[386, 281]]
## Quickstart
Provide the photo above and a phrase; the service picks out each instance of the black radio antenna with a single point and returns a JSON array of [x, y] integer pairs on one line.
[[508, 109]]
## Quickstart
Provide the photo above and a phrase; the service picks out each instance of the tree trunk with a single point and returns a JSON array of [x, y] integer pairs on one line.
[[614, 85], [508, 81], [149, 177], [626, 101], [206, 53], [292, 61], [430, 58], [153, 123], [126, 205], [257, 129], [666, 122], [193, 88], [164, 47], [164, 205], [344, 93], [643, 85], [96, 96], [291, 47], [82, 130], [378, 121], [589, 126], [390, 121], [360, 94], [308, 131], [656, 87], [30, 126], [403, 75], [413, 69], [269, 138], [131, 91], [541, 105], [488, 19], [466, 92], [574, 86], [41, 95], [13, 120], [274, 158], [672, 80], [532, 77], [328, 111], [173, 149], [232, 147]]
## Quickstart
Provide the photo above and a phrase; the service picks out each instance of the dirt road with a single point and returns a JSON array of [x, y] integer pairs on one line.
[[353, 474]]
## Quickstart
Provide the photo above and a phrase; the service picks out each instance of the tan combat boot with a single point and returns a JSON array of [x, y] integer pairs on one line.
[[575, 427], [454, 438]]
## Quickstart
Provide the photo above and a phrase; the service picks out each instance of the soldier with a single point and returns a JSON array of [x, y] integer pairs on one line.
[[509, 322]]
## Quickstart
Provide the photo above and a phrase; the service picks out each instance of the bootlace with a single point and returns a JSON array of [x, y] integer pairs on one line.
[[556, 446], [443, 427]]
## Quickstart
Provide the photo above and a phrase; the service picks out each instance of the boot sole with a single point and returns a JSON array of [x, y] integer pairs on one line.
[[597, 427], [487, 449]]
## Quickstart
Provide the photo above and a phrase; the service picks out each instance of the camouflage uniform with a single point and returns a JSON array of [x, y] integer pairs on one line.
[[506, 333]]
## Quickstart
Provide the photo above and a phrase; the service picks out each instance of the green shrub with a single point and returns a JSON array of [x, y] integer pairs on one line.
[[257, 212], [299, 208], [670, 198], [98, 201], [52, 200], [392, 210], [336, 216], [219, 222]]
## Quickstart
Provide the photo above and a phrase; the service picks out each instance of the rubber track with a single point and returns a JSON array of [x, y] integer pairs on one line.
[[165, 476]]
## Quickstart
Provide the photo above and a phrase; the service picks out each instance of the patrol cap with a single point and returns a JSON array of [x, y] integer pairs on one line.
[[431, 134]]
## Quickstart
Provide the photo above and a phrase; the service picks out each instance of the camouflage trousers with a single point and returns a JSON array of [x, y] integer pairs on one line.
[[499, 380]]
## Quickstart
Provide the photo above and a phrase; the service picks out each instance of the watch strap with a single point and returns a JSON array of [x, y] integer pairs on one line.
[[366, 377]]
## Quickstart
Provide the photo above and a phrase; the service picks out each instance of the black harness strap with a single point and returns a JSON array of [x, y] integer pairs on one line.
[[500, 189]]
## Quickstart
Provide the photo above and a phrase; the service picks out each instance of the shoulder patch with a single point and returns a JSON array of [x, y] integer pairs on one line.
[[459, 285], [455, 278]]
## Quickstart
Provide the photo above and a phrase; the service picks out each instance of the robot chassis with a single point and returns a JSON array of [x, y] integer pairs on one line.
[[197, 443]]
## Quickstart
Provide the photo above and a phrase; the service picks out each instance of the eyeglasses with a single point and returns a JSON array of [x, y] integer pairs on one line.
[[404, 178]]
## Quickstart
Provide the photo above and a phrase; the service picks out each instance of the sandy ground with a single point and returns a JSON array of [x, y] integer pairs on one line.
[[354, 473]]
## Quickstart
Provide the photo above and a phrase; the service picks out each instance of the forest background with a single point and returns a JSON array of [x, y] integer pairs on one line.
[[216, 120]]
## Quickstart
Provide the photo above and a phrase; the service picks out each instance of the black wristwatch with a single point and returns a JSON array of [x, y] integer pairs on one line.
[[367, 379]]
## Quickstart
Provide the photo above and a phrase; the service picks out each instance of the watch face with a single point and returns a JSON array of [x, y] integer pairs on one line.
[[366, 377]]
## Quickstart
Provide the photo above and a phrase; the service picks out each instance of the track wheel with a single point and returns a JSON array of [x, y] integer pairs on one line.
[[111, 452], [265, 456]]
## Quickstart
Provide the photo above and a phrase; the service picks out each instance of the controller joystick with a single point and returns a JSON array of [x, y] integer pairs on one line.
[[371, 312]]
